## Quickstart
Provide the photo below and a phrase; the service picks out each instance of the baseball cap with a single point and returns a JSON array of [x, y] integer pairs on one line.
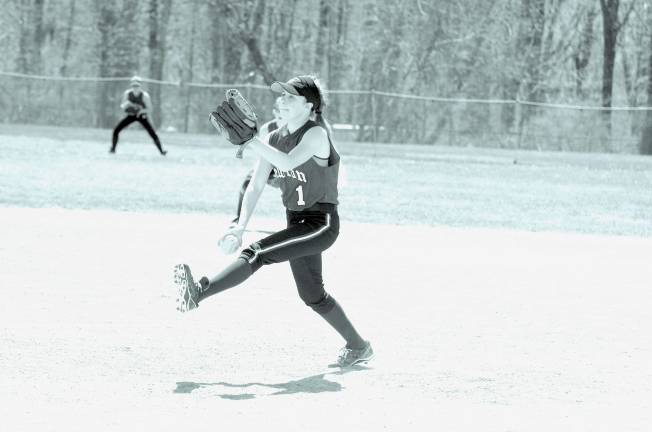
[[302, 85], [135, 80]]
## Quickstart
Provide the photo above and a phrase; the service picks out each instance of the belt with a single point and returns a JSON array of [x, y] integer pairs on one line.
[[322, 207]]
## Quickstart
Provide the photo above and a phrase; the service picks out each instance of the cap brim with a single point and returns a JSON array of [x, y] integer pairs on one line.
[[280, 87]]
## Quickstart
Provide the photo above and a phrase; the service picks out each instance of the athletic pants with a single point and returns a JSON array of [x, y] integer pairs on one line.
[[308, 234], [129, 120]]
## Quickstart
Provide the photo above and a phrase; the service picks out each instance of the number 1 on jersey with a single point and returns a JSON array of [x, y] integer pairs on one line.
[[299, 190]]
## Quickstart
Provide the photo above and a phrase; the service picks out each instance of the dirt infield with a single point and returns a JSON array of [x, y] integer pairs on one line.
[[474, 329]]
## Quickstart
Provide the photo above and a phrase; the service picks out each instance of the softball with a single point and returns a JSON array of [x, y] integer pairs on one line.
[[229, 244]]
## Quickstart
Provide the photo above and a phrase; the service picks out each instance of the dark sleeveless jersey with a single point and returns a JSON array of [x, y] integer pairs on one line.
[[309, 183], [272, 126], [138, 100]]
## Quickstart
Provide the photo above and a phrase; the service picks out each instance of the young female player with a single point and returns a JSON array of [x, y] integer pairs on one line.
[[302, 157], [136, 104]]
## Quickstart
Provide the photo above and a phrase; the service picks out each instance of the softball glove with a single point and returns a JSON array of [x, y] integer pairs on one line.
[[235, 120]]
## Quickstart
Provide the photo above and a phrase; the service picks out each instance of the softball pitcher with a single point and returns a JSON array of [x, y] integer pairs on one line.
[[301, 156]]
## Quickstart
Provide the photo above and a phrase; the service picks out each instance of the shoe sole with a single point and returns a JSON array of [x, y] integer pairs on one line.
[[181, 273], [363, 360]]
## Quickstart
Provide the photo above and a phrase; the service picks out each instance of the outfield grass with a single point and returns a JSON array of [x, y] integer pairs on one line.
[[396, 184]]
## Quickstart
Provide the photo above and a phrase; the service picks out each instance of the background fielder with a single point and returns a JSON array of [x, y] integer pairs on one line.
[[136, 104]]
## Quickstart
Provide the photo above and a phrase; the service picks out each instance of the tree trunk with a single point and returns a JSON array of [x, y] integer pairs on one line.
[[106, 21], [158, 23], [39, 37], [216, 38], [533, 24], [645, 146], [67, 43], [190, 69], [226, 49], [68, 38], [250, 38], [610, 37], [24, 49], [322, 42], [582, 54], [258, 58], [526, 82]]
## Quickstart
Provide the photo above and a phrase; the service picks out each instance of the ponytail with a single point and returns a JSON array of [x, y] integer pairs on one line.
[[321, 121]]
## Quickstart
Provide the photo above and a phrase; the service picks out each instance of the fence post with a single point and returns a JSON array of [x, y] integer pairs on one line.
[[518, 113], [373, 116]]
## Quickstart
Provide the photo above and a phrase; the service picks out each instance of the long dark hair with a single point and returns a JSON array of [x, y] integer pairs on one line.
[[318, 110]]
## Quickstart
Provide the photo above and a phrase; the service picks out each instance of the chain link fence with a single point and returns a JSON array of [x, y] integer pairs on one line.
[[371, 116]]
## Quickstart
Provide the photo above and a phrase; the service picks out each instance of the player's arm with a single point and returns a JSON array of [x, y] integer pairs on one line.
[[314, 143], [125, 100], [255, 188], [148, 104]]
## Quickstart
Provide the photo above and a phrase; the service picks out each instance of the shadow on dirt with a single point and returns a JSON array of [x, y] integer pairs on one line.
[[312, 384]]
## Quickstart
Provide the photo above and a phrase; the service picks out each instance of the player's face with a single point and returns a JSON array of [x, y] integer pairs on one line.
[[292, 106], [136, 89]]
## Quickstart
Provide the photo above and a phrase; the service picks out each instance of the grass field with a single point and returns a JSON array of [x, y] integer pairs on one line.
[[502, 290]]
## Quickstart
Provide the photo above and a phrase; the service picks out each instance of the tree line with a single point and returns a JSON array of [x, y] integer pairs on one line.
[[579, 52]]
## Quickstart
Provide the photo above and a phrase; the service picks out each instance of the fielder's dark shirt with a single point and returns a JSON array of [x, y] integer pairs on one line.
[[138, 100]]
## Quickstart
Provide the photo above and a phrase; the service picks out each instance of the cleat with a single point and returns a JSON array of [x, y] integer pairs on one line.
[[352, 356], [188, 289]]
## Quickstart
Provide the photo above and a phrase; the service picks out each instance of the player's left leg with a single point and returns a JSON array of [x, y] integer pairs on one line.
[[307, 272], [152, 133]]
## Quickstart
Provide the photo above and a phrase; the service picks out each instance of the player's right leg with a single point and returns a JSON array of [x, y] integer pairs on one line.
[[307, 234], [307, 272], [191, 292], [188, 290], [123, 124]]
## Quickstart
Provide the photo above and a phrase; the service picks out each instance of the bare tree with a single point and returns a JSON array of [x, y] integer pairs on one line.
[[645, 145], [582, 54], [159, 17], [323, 40], [248, 18], [611, 26], [67, 44], [38, 36], [106, 20]]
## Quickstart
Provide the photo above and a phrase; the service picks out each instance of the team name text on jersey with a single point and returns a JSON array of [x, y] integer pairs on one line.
[[291, 173]]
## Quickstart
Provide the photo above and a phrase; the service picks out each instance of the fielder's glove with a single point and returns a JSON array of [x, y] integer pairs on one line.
[[132, 109], [235, 119]]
